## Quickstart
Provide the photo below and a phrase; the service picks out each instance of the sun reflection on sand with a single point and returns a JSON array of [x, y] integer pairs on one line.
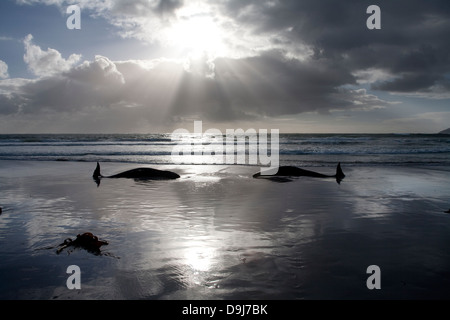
[[199, 256], [199, 264]]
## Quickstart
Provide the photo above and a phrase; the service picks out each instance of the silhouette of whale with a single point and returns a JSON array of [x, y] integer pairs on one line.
[[289, 171], [137, 174]]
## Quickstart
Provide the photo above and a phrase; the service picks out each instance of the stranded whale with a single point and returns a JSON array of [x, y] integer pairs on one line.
[[288, 171], [138, 174]]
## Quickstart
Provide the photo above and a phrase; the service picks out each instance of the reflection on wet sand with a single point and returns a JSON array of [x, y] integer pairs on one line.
[[217, 233]]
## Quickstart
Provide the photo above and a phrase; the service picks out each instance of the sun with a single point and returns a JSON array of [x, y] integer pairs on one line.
[[196, 33]]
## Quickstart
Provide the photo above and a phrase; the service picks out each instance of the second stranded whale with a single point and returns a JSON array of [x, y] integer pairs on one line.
[[289, 171], [138, 174]]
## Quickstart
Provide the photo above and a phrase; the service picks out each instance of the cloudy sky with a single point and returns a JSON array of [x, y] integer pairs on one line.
[[157, 65]]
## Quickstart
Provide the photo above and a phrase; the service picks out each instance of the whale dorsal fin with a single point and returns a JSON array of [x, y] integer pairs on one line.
[[97, 173], [339, 173]]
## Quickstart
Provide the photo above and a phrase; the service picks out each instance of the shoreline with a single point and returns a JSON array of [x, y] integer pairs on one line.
[[125, 164]]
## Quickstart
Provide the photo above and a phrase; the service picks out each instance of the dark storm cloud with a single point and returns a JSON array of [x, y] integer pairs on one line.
[[141, 8], [94, 83], [272, 84], [168, 6], [9, 104], [411, 44]]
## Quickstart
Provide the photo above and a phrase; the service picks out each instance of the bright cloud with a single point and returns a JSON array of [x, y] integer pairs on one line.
[[45, 63], [3, 70]]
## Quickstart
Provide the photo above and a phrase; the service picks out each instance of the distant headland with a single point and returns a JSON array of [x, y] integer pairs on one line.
[[446, 131]]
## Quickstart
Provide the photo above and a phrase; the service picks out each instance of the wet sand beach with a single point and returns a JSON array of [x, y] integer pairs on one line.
[[217, 233]]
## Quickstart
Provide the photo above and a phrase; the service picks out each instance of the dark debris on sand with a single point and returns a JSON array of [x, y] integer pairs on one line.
[[86, 241]]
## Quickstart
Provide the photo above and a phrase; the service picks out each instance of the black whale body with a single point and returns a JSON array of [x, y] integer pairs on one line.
[[290, 171], [146, 173], [138, 173]]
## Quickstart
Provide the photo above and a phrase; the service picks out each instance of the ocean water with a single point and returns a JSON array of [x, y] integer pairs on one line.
[[311, 150]]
